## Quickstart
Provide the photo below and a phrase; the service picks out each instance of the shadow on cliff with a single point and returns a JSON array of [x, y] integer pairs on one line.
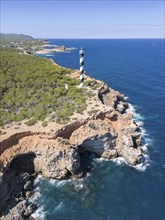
[[12, 183], [86, 160], [22, 163]]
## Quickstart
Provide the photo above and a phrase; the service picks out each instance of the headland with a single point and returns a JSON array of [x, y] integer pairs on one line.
[[54, 146]]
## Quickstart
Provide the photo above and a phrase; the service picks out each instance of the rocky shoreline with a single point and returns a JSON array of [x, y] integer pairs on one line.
[[108, 133]]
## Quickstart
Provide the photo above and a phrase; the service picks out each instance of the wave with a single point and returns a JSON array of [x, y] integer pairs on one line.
[[42, 212], [126, 98], [119, 161], [58, 183], [146, 140], [100, 160], [136, 116], [57, 208], [77, 183], [39, 214]]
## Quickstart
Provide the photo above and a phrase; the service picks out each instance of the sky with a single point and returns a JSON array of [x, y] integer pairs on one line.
[[84, 19]]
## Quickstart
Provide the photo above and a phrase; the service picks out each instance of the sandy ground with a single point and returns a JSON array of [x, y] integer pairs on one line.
[[49, 45], [18, 127], [47, 51], [50, 50]]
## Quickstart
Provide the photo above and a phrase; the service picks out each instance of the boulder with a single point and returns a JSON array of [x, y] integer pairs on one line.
[[28, 185], [121, 106], [109, 154], [29, 210], [28, 194], [131, 155], [21, 211]]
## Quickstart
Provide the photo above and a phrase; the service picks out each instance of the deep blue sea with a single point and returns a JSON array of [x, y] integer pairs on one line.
[[114, 190]]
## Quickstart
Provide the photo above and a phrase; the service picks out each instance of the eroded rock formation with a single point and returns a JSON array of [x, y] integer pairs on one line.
[[108, 134]]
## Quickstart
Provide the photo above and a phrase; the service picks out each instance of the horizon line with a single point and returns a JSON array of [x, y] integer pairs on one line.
[[99, 38], [86, 38]]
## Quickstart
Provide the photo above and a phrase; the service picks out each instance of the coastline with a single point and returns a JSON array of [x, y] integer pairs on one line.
[[105, 118], [57, 49]]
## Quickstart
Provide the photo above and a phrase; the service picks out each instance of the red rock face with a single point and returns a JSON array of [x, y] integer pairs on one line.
[[109, 134], [106, 134]]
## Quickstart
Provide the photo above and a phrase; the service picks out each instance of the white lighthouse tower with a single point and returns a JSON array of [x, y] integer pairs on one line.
[[81, 67]]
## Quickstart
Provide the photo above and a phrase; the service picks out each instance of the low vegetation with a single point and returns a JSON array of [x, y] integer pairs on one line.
[[93, 111], [93, 84], [33, 88]]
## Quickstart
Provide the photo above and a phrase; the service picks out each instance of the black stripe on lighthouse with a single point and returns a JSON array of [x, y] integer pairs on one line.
[[81, 67]]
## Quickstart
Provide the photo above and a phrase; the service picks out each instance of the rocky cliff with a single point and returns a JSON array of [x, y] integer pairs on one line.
[[108, 133]]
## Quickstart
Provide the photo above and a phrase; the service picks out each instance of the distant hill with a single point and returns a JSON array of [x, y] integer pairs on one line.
[[15, 37]]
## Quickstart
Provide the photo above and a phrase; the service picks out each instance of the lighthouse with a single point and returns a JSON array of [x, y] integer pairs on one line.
[[81, 67]]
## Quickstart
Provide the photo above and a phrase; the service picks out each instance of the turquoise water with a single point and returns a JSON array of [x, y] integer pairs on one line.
[[114, 190]]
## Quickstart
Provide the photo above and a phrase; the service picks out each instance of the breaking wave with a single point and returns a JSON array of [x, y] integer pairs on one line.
[[59, 207], [40, 213], [146, 140]]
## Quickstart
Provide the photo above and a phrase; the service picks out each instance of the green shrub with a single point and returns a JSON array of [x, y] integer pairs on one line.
[[32, 88], [19, 117], [81, 108], [31, 121], [44, 123], [93, 111]]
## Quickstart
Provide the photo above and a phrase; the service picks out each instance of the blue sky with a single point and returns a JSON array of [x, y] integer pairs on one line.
[[84, 19]]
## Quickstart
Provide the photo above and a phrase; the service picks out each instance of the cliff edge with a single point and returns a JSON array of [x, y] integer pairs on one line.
[[104, 129]]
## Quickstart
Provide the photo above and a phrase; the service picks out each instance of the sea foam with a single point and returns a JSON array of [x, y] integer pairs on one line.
[[119, 161], [57, 208], [146, 140], [39, 214]]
